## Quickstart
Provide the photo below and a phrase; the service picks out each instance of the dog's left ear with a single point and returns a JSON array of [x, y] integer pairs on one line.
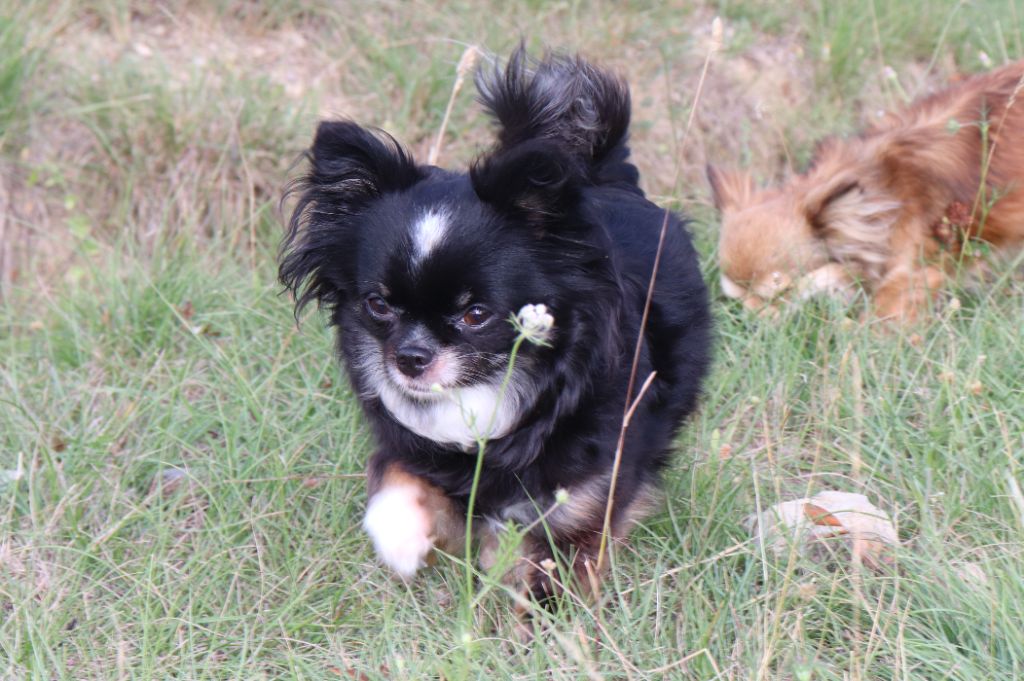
[[537, 179], [729, 189]]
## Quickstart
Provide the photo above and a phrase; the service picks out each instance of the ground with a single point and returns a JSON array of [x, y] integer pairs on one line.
[[181, 465]]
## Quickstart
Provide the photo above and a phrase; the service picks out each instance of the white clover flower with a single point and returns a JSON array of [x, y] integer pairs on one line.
[[535, 323]]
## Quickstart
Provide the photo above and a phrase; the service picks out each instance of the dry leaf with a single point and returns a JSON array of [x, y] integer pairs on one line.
[[820, 516], [827, 514]]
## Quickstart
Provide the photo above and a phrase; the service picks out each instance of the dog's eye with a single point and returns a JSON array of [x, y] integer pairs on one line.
[[478, 315], [378, 307]]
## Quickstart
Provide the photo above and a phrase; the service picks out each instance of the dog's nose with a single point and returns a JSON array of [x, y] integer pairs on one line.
[[413, 360]]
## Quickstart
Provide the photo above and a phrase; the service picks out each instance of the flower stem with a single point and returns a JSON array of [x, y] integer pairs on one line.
[[481, 443]]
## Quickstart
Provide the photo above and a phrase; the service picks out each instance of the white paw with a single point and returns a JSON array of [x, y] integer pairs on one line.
[[399, 528]]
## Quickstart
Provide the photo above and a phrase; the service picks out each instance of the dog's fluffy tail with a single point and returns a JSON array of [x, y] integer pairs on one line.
[[564, 99]]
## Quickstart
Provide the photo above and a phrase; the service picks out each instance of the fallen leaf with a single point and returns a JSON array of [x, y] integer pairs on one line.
[[820, 516], [827, 514]]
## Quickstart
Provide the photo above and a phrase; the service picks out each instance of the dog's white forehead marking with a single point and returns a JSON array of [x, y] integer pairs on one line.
[[428, 232]]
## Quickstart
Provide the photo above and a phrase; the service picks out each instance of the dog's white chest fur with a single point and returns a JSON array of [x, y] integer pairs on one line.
[[460, 417]]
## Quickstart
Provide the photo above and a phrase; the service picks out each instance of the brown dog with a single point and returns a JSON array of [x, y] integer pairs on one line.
[[892, 207]]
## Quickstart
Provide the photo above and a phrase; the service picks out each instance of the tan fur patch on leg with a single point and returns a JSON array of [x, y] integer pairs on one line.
[[646, 501]]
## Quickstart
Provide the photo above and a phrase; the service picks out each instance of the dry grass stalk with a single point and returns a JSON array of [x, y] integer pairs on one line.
[[713, 47], [466, 64]]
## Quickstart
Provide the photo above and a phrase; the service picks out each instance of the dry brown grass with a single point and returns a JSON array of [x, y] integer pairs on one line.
[[184, 119]]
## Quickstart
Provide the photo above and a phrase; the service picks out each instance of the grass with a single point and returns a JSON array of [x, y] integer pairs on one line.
[[181, 467]]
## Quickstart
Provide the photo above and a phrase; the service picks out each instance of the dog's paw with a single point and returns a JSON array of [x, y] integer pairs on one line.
[[400, 529]]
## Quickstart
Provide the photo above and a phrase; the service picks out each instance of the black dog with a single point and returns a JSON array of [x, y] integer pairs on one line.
[[422, 269]]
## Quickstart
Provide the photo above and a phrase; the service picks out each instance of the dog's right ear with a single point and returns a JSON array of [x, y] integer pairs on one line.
[[349, 168], [350, 164], [730, 189]]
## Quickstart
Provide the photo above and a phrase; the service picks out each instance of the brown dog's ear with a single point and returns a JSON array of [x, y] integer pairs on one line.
[[824, 200], [730, 189], [855, 221]]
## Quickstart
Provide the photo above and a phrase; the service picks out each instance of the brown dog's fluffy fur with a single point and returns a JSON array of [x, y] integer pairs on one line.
[[891, 207]]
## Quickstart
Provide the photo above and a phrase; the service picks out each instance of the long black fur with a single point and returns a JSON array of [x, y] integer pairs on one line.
[[553, 214]]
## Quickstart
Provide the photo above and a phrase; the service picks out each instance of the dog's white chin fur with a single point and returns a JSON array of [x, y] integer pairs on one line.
[[459, 416], [399, 528]]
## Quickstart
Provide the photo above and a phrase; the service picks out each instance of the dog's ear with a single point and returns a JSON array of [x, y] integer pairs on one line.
[[730, 189], [826, 202], [537, 179], [349, 168], [351, 165], [855, 221]]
